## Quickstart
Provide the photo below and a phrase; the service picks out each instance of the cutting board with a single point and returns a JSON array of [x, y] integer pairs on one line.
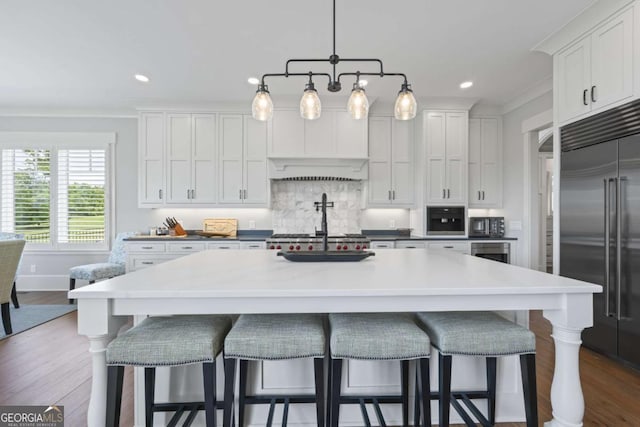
[[222, 226]]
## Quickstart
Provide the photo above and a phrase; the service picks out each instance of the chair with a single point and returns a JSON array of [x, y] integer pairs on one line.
[[14, 295], [378, 336], [273, 337], [483, 334], [10, 253], [167, 341], [115, 266]]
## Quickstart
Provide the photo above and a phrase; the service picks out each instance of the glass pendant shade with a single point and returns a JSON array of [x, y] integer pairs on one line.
[[262, 106], [406, 105], [310, 106], [358, 104]]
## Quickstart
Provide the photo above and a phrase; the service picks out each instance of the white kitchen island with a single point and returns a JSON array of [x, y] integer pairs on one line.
[[399, 280]]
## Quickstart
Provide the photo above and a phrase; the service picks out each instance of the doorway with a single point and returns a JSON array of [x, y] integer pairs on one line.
[[545, 200]]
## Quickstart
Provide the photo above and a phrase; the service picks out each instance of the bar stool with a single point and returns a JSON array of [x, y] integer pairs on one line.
[[480, 334], [257, 337], [167, 341], [378, 336]]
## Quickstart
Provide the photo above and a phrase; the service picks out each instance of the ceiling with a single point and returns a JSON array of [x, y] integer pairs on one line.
[[84, 53]]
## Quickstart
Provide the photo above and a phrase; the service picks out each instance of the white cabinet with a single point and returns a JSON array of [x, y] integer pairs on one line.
[[597, 70], [151, 192], [446, 136], [243, 160], [223, 245], [411, 244], [334, 135], [485, 162], [391, 180], [383, 244], [191, 162], [462, 247]]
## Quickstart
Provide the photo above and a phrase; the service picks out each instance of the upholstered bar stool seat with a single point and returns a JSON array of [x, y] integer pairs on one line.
[[377, 336], [167, 341], [480, 334], [274, 337]]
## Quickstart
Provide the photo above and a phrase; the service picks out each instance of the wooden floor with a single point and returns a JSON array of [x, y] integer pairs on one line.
[[50, 364]]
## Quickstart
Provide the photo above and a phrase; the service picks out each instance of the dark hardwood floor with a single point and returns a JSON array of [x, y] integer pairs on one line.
[[51, 364]]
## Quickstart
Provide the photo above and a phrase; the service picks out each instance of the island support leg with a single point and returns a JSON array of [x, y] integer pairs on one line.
[[567, 400], [98, 402]]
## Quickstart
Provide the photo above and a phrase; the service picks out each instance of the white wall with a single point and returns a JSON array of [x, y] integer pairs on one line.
[[513, 178]]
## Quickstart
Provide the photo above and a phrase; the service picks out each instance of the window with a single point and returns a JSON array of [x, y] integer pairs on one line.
[[56, 193]]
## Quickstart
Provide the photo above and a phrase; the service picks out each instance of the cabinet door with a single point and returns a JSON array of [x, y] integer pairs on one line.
[[231, 143], [286, 134], [203, 175], [351, 136], [612, 61], [256, 183], [319, 136], [475, 162], [435, 132], [456, 157], [402, 182], [178, 158], [151, 159], [491, 164], [574, 80], [380, 160]]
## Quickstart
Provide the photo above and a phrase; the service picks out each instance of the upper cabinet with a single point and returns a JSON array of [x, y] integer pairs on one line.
[[243, 164], [334, 135], [485, 162], [191, 160], [391, 179], [597, 71], [151, 191], [446, 136]]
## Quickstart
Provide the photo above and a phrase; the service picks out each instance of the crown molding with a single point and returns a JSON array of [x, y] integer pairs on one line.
[[536, 91], [86, 113]]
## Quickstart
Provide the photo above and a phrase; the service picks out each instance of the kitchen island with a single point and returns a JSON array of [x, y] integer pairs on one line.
[[399, 280]]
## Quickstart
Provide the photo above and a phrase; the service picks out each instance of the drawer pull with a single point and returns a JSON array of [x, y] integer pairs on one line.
[[448, 247], [186, 247], [146, 247], [147, 262]]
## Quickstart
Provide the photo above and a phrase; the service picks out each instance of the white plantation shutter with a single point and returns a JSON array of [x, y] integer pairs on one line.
[[81, 196], [26, 193]]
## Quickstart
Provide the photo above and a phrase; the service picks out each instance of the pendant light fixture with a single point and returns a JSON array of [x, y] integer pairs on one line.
[[358, 105]]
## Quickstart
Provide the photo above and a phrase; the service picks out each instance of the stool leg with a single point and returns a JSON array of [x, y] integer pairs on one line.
[[72, 286], [318, 368], [242, 392], [404, 389], [425, 391], [528, 369], [14, 296], [229, 381], [115, 376], [418, 397], [6, 318], [444, 379], [209, 380], [491, 389], [149, 395], [336, 379]]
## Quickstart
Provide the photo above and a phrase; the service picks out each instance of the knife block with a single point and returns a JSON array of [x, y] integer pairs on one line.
[[179, 230]]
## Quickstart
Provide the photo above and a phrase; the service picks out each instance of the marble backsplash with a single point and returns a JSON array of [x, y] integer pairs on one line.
[[293, 210]]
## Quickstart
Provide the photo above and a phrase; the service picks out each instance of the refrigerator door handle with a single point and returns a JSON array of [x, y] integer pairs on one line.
[[618, 247], [607, 247]]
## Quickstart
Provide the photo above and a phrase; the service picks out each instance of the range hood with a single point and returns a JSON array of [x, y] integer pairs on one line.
[[319, 168]]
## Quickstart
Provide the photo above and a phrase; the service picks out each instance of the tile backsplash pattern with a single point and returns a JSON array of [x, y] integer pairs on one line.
[[293, 210]]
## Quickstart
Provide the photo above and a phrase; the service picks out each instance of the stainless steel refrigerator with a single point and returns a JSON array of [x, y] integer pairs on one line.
[[600, 238]]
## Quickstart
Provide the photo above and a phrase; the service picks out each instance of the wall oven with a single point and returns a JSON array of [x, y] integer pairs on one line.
[[495, 251], [445, 221]]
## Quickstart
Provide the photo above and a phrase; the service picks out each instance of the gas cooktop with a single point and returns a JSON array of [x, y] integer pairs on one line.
[[309, 242]]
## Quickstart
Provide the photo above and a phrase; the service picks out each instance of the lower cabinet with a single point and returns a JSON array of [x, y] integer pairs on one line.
[[462, 247], [383, 244]]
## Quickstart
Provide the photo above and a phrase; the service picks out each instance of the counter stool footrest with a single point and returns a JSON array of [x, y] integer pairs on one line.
[[170, 407], [176, 417], [460, 410], [379, 415], [474, 410], [275, 398], [272, 407], [285, 412], [365, 415]]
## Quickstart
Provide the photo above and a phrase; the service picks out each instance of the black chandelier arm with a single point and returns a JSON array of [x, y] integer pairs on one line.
[[309, 74], [337, 60], [358, 73], [286, 68]]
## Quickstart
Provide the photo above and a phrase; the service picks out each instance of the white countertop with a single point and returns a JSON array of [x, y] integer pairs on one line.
[[420, 272]]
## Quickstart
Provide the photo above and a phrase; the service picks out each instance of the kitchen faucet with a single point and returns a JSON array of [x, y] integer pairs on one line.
[[323, 225]]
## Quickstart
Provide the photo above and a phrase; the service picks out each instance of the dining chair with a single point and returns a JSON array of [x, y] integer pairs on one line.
[[10, 253], [14, 294]]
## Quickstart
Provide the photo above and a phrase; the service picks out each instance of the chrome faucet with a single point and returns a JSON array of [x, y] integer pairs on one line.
[[323, 225]]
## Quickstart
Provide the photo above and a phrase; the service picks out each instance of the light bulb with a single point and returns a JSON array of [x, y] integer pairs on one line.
[[406, 105], [262, 106], [310, 106], [358, 104]]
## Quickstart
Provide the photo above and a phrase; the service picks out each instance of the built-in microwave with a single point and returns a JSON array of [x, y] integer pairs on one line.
[[445, 221], [486, 226]]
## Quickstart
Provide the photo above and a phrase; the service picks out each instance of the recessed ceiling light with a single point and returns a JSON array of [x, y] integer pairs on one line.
[[466, 85], [142, 78], [253, 80]]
